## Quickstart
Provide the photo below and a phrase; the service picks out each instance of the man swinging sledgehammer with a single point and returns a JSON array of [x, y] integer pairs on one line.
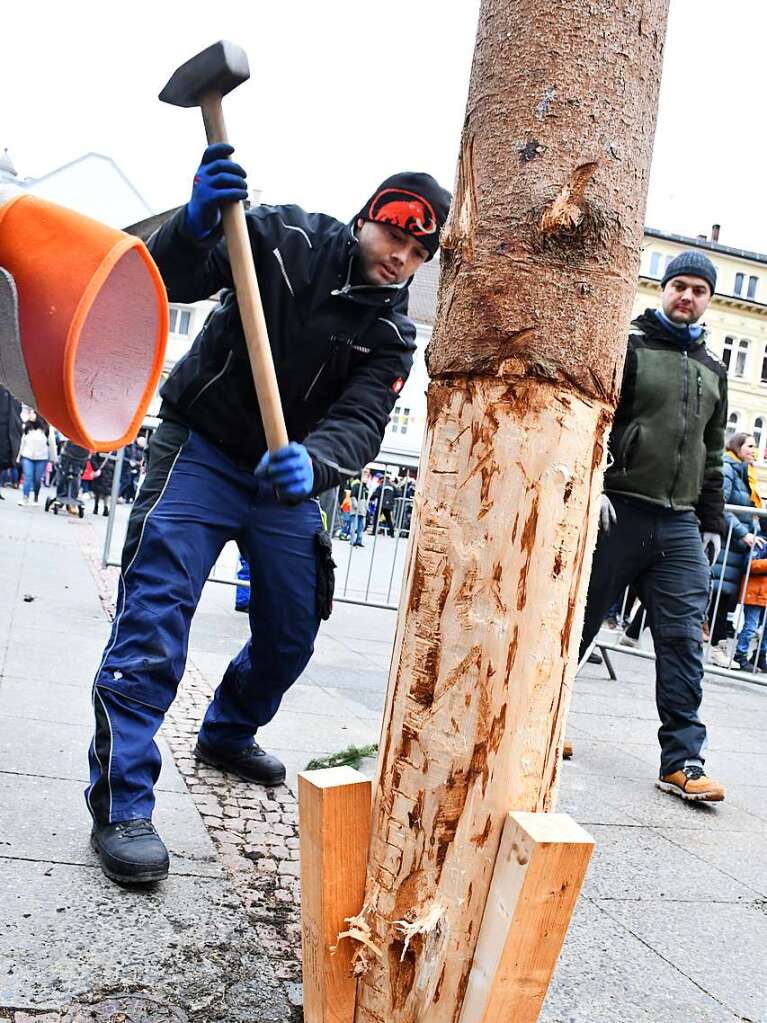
[[335, 298]]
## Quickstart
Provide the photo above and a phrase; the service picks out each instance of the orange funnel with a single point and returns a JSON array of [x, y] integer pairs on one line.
[[93, 321]]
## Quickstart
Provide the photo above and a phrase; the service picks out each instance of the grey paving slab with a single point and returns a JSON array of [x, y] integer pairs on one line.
[[186, 940], [640, 802], [347, 676], [741, 855], [637, 864], [367, 703], [616, 729], [719, 946], [749, 798], [308, 732], [42, 750], [608, 761], [70, 656], [607, 975], [46, 819], [54, 702]]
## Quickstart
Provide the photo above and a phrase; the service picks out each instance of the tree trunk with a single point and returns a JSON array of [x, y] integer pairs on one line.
[[539, 273]]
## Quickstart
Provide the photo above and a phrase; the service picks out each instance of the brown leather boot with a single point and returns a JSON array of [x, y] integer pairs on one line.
[[691, 783], [567, 750]]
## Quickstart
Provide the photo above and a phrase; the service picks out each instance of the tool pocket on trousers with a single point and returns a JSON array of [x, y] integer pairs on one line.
[[326, 573]]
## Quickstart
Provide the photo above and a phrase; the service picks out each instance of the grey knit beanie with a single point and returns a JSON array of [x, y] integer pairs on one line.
[[693, 264]]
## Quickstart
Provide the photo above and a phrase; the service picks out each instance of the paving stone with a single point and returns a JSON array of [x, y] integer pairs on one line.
[[61, 834], [719, 946], [607, 975], [185, 940]]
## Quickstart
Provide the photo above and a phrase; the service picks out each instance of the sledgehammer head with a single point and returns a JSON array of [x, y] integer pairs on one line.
[[219, 69]]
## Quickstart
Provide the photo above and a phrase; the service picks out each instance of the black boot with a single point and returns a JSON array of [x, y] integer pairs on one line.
[[131, 852], [251, 763]]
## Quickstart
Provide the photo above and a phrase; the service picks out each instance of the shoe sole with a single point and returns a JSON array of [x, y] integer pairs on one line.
[[223, 766], [692, 797], [145, 877]]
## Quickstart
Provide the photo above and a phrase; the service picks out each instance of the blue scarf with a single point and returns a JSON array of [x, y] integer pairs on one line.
[[687, 333]]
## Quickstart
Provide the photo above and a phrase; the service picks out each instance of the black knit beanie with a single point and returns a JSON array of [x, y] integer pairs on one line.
[[692, 264], [412, 201]]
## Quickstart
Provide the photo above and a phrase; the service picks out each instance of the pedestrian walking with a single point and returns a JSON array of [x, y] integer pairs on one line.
[[10, 434], [37, 450], [740, 488], [335, 300], [662, 487], [101, 482]]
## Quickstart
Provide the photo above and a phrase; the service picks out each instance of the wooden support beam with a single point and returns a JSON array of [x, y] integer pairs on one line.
[[541, 864], [334, 828]]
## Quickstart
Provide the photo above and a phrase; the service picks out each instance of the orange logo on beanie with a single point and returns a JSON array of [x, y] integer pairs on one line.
[[406, 210]]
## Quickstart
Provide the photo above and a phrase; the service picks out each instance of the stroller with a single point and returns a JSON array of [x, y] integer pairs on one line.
[[71, 467]]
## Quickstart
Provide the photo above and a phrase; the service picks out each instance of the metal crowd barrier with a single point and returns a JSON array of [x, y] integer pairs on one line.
[[370, 576], [634, 648]]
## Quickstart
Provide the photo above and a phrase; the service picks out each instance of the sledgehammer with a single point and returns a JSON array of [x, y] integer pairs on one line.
[[202, 82]]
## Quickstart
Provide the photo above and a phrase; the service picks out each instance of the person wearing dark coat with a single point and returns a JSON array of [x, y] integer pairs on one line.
[[739, 488], [335, 299], [10, 430], [103, 477]]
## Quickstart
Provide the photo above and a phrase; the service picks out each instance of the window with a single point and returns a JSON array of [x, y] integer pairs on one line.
[[757, 433], [655, 258], [752, 283], [727, 351], [738, 289], [399, 419], [179, 321], [741, 358], [732, 425], [764, 366]]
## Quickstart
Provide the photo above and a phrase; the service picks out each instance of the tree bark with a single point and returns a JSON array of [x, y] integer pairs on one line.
[[540, 264]]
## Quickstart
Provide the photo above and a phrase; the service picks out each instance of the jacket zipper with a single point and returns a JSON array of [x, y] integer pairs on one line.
[[700, 389], [316, 378], [212, 380], [685, 400]]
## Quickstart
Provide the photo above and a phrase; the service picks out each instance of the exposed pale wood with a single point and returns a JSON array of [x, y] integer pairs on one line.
[[539, 870], [334, 826], [541, 254]]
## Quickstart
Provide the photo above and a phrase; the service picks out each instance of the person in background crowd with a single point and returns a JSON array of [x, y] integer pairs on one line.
[[386, 495], [359, 498], [662, 488], [242, 593], [345, 511], [739, 488], [38, 448], [10, 434], [103, 478], [754, 598]]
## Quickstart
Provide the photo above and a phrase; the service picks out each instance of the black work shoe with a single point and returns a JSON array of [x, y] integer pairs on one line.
[[594, 658], [131, 852], [251, 763]]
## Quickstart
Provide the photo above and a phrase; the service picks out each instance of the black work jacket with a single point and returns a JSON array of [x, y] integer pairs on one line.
[[341, 352]]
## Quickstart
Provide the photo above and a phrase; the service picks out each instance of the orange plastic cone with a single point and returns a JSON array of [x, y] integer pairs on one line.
[[93, 321]]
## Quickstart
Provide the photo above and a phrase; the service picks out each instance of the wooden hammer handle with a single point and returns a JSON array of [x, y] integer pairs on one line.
[[248, 295]]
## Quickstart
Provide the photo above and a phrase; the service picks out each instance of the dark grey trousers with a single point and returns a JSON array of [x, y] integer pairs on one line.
[[660, 553]]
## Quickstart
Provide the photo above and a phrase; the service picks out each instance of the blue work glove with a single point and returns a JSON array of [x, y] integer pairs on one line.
[[217, 182], [290, 470]]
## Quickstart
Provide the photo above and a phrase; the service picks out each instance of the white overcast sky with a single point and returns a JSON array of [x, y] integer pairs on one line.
[[344, 92]]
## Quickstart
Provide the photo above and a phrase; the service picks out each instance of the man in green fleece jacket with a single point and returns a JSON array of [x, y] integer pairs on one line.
[[663, 488]]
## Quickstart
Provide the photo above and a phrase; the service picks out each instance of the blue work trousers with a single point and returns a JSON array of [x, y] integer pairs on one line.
[[194, 500]]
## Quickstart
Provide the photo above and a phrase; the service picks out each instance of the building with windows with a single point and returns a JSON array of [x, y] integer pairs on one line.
[[736, 322]]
